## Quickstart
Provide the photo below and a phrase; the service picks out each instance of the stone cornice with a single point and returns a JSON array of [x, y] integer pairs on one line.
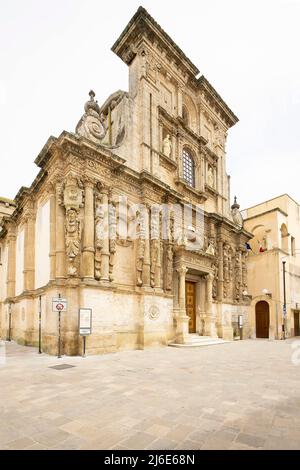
[[260, 214], [143, 24], [199, 194], [180, 126], [219, 103]]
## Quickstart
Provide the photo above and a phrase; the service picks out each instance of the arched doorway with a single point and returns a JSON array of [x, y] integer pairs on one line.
[[262, 317]]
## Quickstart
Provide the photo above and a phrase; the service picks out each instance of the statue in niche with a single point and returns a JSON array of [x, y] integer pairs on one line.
[[167, 146], [112, 237], [72, 231], [211, 247], [99, 234], [210, 177]]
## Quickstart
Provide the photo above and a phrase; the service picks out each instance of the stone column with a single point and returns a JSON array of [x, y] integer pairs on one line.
[[88, 255], [60, 249], [52, 253], [182, 329], [105, 248], [11, 264], [210, 319], [29, 253], [220, 272]]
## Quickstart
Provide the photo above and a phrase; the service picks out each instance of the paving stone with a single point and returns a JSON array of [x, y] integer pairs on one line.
[[210, 398], [250, 440]]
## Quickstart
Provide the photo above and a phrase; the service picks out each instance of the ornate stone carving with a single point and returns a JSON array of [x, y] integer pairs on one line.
[[238, 275], [91, 125], [112, 237], [168, 265], [153, 313], [244, 272], [99, 234], [141, 244], [167, 146], [211, 177], [73, 237], [211, 249], [155, 244], [73, 193], [236, 215]]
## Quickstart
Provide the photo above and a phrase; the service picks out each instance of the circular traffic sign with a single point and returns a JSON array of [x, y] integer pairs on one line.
[[59, 307]]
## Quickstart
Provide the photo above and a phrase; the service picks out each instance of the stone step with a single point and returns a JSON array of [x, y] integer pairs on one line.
[[195, 341]]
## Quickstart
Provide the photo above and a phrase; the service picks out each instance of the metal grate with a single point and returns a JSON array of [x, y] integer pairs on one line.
[[188, 168], [61, 367]]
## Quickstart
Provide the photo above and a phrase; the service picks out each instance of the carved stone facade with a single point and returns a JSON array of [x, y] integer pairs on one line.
[[129, 209]]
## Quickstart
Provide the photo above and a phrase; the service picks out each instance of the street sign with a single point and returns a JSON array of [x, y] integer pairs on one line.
[[59, 304], [284, 311], [85, 321]]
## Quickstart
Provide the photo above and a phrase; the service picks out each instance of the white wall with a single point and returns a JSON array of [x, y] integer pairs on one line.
[[20, 262], [42, 245]]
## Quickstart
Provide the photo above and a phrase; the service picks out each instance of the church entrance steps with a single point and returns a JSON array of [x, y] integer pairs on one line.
[[196, 341]]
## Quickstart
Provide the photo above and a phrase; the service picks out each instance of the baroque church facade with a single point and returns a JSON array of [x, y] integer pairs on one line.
[[103, 224]]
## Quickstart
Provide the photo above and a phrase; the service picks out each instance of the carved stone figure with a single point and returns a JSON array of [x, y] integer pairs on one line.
[[236, 215], [215, 280], [210, 177], [99, 234], [167, 146], [238, 275], [72, 230], [155, 244], [73, 194], [112, 238], [211, 248], [169, 267], [141, 245]]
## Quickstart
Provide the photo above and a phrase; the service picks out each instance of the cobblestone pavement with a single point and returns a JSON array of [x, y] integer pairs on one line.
[[241, 395]]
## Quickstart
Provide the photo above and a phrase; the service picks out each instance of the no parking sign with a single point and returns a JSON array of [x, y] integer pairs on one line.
[[59, 304]]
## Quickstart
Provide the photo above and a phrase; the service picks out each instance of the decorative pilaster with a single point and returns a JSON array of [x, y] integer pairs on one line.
[[105, 248], [220, 272], [29, 251], [11, 265], [182, 328], [210, 319], [52, 253], [146, 265], [60, 256], [88, 255]]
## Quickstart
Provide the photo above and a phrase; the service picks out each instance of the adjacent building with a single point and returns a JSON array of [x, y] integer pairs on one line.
[[130, 215], [275, 225]]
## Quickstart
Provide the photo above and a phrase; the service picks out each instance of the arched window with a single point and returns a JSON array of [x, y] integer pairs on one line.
[[188, 168]]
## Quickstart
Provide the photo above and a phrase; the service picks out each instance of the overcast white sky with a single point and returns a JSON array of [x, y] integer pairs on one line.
[[52, 52]]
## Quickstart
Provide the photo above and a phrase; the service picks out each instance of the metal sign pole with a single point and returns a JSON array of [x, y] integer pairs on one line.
[[59, 346], [9, 322], [84, 346], [40, 324]]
